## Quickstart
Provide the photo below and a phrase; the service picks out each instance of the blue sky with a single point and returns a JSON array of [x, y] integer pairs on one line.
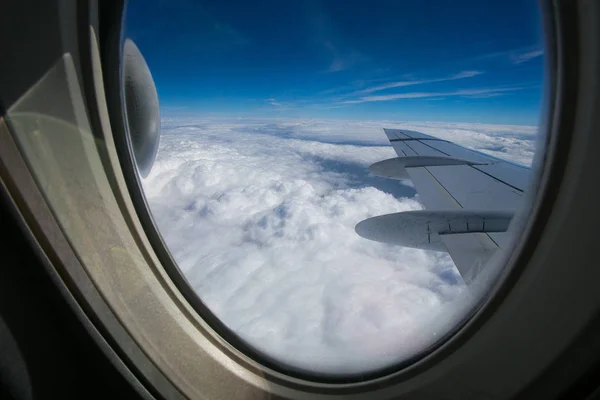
[[438, 60]]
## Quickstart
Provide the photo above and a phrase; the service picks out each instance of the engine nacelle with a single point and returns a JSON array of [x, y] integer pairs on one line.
[[142, 109]]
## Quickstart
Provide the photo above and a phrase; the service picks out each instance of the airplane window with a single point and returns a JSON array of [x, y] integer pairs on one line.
[[340, 183]]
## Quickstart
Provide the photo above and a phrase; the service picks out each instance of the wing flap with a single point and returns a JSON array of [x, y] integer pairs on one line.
[[514, 175], [425, 149], [409, 134], [454, 150], [402, 149], [475, 190], [468, 251]]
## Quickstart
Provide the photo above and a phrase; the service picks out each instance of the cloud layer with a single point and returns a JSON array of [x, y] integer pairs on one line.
[[260, 216]]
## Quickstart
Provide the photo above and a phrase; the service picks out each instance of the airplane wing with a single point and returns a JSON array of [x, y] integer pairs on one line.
[[470, 198]]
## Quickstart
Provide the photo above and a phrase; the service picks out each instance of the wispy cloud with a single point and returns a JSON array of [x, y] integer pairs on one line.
[[273, 101], [484, 92], [391, 85], [341, 59], [340, 64], [523, 57], [515, 56], [339, 54], [484, 95]]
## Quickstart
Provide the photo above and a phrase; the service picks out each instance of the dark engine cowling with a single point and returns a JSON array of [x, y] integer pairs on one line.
[[142, 109]]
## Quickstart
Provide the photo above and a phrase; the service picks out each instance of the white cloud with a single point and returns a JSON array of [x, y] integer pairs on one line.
[[516, 56], [391, 85], [260, 216], [272, 101], [341, 64], [523, 57], [341, 59], [483, 92]]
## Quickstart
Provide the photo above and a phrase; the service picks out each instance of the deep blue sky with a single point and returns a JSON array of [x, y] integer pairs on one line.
[[439, 60]]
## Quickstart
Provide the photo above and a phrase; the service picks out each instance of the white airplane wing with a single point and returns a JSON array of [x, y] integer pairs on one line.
[[470, 198]]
